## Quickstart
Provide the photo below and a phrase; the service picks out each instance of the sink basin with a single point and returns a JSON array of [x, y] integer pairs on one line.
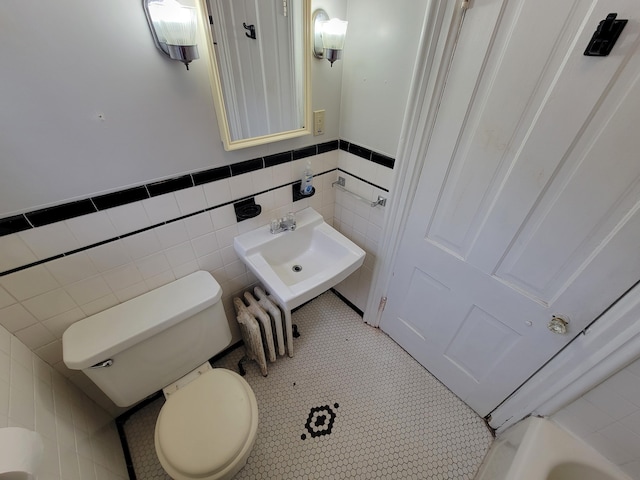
[[296, 266]]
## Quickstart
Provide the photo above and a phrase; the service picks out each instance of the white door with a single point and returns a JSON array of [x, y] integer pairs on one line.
[[528, 199]]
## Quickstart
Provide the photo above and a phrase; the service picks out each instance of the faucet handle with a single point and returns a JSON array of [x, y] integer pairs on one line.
[[274, 225], [291, 217]]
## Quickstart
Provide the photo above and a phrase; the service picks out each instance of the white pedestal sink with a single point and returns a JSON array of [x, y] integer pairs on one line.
[[296, 266]]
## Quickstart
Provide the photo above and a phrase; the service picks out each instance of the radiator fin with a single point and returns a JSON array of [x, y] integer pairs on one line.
[[259, 317]]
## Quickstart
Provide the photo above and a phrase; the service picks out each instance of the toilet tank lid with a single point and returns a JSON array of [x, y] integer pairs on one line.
[[105, 334]]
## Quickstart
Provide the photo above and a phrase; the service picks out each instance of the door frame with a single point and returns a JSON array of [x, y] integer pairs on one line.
[[609, 344], [440, 30], [602, 349]]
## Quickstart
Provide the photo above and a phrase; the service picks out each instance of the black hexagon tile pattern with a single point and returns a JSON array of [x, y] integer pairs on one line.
[[351, 404], [320, 421]]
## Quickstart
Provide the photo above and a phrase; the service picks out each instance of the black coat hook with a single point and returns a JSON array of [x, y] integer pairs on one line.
[[252, 30], [605, 36]]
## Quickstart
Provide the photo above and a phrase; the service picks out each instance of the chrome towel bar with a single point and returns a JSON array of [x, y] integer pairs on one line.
[[340, 183]]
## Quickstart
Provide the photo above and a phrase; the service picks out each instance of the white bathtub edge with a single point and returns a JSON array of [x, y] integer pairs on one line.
[[533, 447]]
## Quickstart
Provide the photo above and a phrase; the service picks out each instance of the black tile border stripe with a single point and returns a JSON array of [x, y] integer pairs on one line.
[[305, 152], [120, 237], [362, 179], [278, 159], [367, 154], [247, 166], [58, 213], [171, 185], [14, 224], [115, 199], [328, 146], [26, 221], [211, 175], [383, 160], [360, 151], [208, 209]]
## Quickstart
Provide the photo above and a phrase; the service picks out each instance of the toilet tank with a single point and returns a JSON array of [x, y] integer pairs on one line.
[[142, 345]]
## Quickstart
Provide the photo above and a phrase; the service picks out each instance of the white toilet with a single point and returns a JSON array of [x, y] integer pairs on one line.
[[162, 340]]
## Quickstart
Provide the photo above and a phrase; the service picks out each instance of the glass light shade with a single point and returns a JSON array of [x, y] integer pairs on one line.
[[333, 33], [174, 23]]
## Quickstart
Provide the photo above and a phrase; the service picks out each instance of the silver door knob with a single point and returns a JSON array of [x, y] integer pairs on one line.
[[558, 324]]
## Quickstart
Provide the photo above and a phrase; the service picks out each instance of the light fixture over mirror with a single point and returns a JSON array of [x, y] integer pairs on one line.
[[328, 36], [173, 27], [259, 57]]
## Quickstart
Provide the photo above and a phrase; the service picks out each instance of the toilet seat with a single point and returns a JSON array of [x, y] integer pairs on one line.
[[207, 429]]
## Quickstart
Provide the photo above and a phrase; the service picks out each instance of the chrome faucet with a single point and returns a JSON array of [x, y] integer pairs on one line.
[[282, 224]]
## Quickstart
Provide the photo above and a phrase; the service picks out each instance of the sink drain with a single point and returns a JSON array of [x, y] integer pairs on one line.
[[297, 268]]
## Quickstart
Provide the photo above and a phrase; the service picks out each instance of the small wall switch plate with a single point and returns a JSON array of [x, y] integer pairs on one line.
[[318, 122]]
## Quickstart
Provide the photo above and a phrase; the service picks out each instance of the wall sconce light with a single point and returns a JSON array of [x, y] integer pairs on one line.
[[173, 27], [328, 36]]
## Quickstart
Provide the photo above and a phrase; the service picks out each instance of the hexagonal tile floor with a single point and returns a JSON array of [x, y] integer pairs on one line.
[[350, 404]]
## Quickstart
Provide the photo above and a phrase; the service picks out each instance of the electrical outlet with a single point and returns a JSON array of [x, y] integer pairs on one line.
[[318, 122]]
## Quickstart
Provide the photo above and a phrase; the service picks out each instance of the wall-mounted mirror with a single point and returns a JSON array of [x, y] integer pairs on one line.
[[260, 61]]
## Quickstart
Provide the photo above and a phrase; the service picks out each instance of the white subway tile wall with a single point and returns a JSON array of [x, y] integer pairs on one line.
[[358, 221], [49, 240], [608, 418], [37, 304], [80, 438], [15, 252], [92, 228]]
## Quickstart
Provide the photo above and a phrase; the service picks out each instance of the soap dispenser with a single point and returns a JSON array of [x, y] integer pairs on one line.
[[306, 185]]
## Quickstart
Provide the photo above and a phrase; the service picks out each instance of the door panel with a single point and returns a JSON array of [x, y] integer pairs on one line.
[[475, 344], [528, 200], [499, 112]]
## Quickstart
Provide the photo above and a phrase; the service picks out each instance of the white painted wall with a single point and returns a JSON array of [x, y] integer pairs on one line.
[[159, 122], [68, 62], [326, 82], [379, 55]]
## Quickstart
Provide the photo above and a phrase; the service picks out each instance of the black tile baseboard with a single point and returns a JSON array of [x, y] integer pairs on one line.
[[37, 218]]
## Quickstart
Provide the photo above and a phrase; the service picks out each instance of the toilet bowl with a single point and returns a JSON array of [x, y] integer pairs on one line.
[[163, 340], [207, 428]]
